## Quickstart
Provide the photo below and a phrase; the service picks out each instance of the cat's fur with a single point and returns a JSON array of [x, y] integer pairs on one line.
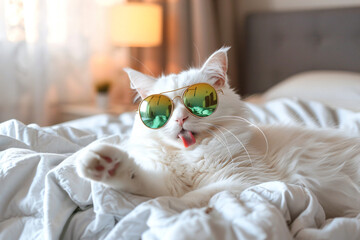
[[230, 152]]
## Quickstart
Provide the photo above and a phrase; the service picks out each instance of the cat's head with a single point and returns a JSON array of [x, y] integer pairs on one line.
[[182, 125]]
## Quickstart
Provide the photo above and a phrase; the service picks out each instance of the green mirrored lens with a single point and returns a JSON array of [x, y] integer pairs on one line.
[[201, 99], [155, 110]]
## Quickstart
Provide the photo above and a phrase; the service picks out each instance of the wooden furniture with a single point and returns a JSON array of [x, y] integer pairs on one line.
[[74, 111]]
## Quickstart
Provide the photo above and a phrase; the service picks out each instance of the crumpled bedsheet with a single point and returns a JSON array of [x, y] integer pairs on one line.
[[42, 197]]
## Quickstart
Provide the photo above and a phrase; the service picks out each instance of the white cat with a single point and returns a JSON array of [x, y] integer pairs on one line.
[[226, 151]]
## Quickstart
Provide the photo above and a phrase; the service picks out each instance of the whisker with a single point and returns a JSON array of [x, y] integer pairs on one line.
[[230, 154], [235, 138], [251, 124], [142, 64], [213, 125], [198, 53], [221, 141], [240, 144]]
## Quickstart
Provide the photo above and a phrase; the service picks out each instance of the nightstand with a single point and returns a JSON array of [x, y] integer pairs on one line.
[[74, 111]]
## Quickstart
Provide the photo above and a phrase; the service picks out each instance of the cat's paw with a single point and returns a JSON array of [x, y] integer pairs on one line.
[[100, 162]]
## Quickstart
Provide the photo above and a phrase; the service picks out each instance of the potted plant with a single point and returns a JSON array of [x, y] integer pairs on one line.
[[102, 96]]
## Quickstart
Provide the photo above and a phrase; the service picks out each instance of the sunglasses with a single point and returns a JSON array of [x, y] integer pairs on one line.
[[200, 99]]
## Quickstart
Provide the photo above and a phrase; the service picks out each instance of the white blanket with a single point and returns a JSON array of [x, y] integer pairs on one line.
[[42, 197]]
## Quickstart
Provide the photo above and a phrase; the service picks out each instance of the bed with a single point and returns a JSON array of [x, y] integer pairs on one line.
[[42, 197]]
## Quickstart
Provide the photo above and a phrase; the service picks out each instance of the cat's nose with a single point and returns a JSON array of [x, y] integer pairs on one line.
[[181, 120]]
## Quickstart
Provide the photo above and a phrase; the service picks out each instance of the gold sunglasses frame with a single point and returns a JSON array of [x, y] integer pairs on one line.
[[182, 100]]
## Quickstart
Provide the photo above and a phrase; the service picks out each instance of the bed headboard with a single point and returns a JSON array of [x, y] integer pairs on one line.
[[281, 44]]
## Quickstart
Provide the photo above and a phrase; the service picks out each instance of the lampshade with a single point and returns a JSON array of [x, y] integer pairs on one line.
[[136, 24], [108, 2]]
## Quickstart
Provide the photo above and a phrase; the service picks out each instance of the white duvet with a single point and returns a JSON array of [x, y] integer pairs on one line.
[[42, 197]]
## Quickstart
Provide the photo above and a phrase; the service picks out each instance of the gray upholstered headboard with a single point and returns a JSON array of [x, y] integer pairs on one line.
[[281, 44]]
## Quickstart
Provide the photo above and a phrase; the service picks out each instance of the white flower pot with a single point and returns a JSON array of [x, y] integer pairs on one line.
[[102, 100]]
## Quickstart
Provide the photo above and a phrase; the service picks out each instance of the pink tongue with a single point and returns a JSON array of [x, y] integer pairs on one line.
[[187, 137]]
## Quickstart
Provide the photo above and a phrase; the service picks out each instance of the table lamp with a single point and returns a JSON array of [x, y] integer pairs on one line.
[[136, 25]]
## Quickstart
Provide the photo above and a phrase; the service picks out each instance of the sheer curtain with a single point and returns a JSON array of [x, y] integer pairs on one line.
[[45, 47]]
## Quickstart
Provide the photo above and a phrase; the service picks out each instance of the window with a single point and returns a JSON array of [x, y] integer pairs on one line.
[[15, 24]]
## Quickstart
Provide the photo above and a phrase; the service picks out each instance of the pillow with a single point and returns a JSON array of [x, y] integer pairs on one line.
[[334, 88]]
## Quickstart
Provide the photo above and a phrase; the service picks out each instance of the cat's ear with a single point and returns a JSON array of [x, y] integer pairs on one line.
[[216, 67], [140, 82]]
